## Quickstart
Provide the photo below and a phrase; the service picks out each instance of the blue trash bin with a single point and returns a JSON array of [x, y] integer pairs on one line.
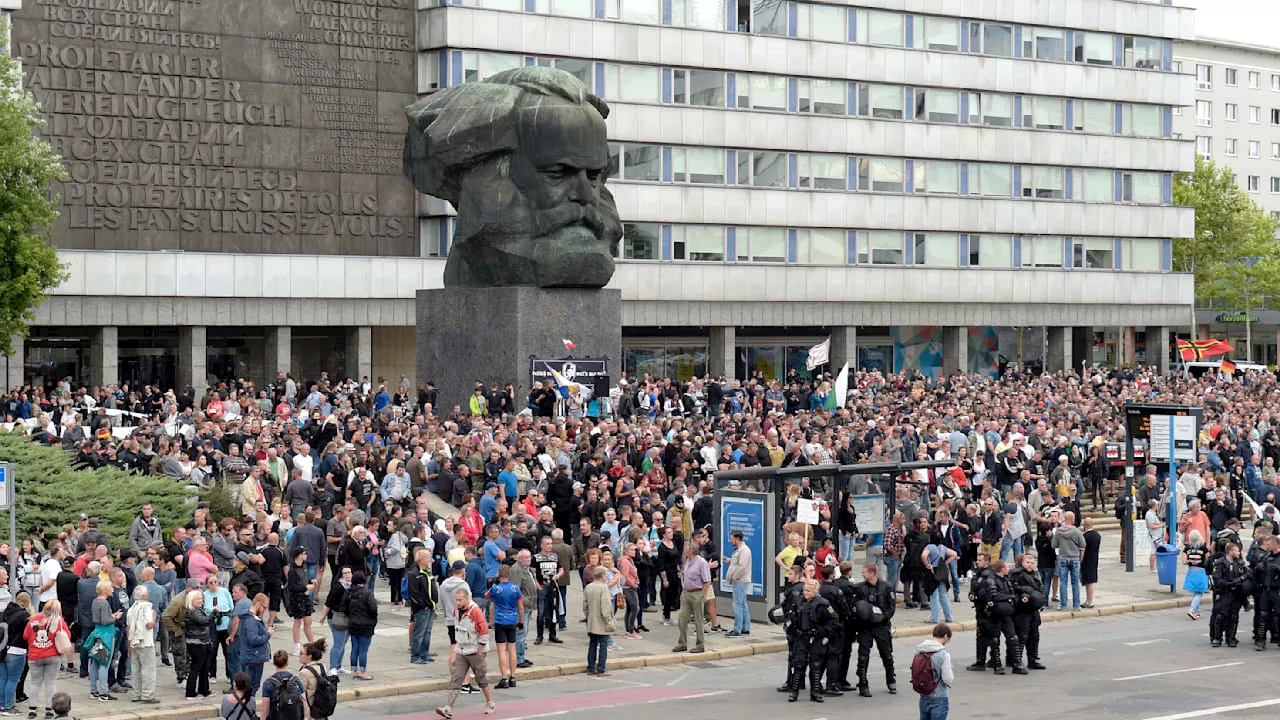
[[1167, 563]]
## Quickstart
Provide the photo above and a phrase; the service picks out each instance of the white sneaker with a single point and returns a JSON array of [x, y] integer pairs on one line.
[[490, 709], [343, 671]]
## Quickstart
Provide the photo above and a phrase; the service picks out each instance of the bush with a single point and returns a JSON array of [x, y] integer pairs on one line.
[[50, 493]]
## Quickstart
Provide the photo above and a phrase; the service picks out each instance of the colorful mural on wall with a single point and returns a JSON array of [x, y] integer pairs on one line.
[[920, 348]]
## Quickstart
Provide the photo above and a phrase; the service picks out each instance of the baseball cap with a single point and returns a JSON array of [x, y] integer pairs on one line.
[[457, 565], [490, 486], [243, 557]]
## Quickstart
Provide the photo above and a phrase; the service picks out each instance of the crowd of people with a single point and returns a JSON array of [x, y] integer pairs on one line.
[[333, 483]]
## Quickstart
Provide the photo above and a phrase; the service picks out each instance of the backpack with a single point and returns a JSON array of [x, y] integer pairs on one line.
[[923, 680], [326, 697], [288, 703]]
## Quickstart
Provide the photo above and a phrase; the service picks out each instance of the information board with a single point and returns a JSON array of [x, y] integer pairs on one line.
[[747, 515], [870, 509]]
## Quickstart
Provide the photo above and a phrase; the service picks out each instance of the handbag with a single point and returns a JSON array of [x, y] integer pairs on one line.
[[62, 641], [620, 602], [339, 620]]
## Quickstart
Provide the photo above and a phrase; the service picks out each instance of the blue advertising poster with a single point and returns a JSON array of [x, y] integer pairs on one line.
[[747, 515]]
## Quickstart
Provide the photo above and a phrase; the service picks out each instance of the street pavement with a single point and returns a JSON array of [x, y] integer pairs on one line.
[[1142, 666], [388, 656]]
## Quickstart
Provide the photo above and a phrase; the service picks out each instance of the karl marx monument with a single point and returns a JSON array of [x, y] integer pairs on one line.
[[522, 157]]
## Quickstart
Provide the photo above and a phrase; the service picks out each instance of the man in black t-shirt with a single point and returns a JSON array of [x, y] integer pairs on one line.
[[272, 571], [547, 571]]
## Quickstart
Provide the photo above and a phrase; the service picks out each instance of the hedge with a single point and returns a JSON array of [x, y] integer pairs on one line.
[[50, 493]]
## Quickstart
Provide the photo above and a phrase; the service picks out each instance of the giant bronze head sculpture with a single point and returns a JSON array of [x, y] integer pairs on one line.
[[522, 157]]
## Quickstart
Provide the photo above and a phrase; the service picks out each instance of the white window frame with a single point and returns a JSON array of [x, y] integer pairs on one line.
[[652, 231], [885, 170], [1152, 251], [1204, 76], [808, 254], [1255, 149], [980, 103], [991, 179], [927, 102], [622, 164], [1204, 113], [1093, 185], [682, 86], [936, 177], [682, 165], [1255, 80], [616, 76], [1251, 183], [871, 93], [1204, 145], [824, 23], [751, 87], [1229, 112], [1229, 147], [881, 27], [1255, 114], [1101, 45], [978, 38], [1086, 113], [1043, 182], [935, 26], [835, 101], [761, 244], [806, 177], [1150, 114], [880, 247], [1229, 77], [1042, 251], [929, 245], [1002, 247], [1031, 43], [681, 235], [749, 164]]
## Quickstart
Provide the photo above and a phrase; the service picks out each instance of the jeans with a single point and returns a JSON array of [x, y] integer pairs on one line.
[[934, 708], [1068, 569], [546, 611], [955, 580], [939, 600], [631, 597], [893, 567], [360, 652], [339, 648], [420, 644], [522, 636], [1010, 548], [1046, 578], [311, 575], [597, 653], [741, 617], [233, 657], [254, 671], [847, 541], [10, 672], [375, 566], [97, 677], [875, 556], [564, 606], [1195, 601]]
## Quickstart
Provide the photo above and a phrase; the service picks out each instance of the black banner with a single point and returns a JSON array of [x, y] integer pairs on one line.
[[587, 371]]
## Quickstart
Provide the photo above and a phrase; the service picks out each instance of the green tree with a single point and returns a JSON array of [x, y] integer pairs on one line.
[[29, 266], [1234, 253]]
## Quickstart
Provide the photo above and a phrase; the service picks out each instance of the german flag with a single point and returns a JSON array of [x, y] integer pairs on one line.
[[1227, 367], [1201, 349]]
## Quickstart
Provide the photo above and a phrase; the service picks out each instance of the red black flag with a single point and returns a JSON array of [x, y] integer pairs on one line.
[[1201, 349]]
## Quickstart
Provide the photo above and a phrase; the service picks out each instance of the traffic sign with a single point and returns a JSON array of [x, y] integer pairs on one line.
[[6, 486]]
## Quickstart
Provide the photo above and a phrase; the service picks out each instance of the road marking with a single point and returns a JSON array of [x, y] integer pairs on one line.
[[1147, 642], [1209, 712], [679, 679], [1176, 672], [1075, 651]]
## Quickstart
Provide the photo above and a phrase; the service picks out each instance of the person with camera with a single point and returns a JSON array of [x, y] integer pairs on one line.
[[1029, 586]]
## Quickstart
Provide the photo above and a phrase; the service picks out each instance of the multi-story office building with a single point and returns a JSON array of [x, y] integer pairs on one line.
[[909, 177]]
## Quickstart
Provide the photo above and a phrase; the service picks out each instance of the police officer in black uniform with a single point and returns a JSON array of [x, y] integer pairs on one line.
[[816, 624], [982, 636], [850, 593], [1001, 603], [1029, 588], [1266, 579], [835, 598], [1229, 577], [792, 594], [875, 611]]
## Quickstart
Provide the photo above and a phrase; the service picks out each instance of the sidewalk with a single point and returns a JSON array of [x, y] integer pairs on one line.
[[1117, 592]]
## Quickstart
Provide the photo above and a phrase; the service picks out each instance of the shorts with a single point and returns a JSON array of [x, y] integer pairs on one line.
[[275, 592], [504, 633], [453, 635], [709, 592]]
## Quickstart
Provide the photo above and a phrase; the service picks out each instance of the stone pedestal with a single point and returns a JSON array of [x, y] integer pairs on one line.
[[465, 334]]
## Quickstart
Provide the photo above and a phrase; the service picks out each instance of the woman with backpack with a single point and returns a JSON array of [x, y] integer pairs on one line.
[[362, 618], [283, 696], [321, 689]]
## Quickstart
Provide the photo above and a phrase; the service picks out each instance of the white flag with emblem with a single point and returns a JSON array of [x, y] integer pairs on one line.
[[819, 354]]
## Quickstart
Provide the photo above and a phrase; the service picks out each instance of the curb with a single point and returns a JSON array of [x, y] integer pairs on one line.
[[202, 711]]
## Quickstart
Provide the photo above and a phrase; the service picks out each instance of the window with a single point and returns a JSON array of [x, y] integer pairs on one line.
[[823, 172], [941, 106], [482, 66], [881, 101], [1143, 53], [1095, 117], [1252, 183], [990, 180], [1042, 251], [644, 12], [637, 163], [822, 247], [640, 241], [761, 168], [572, 8], [1229, 112], [1275, 116], [937, 176], [941, 33], [700, 14], [1204, 113], [763, 92], [1275, 184], [1275, 151], [1140, 187], [1044, 183], [698, 87], [1093, 185], [876, 27], [1048, 113], [1255, 114], [759, 244], [1204, 145], [1177, 66], [1141, 254], [880, 247], [1044, 44], [1275, 83], [1095, 48], [1229, 77], [1204, 77], [634, 83], [1141, 120], [822, 97], [697, 242], [1254, 150], [991, 39], [991, 109], [822, 22], [991, 251], [1255, 79], [768, 17], [1093, 253], [1229, 147], [584, 70], [700, 166], [881, 174], [937, 249]]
